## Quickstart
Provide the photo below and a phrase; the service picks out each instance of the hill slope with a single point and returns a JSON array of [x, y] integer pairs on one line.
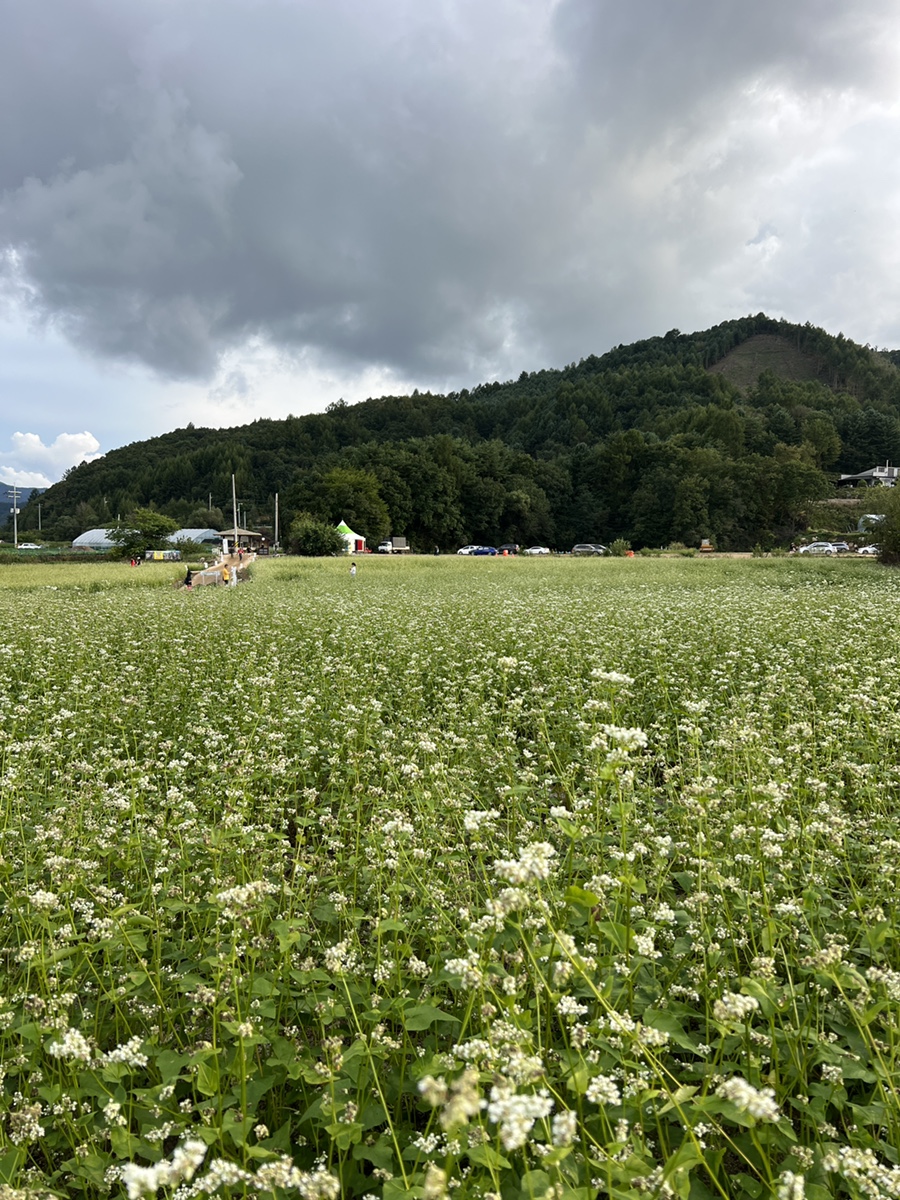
[[724, 433]]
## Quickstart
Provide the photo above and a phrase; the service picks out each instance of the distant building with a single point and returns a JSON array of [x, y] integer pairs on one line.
[[203, 537], [885, 476], [93, 539]]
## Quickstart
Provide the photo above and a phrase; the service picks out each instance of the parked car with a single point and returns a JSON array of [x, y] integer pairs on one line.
[[510, 547], [468, 549], [818, 548], [873, 551], [29, 546], [841, 547], [482, 550], [537, 550], [586, 549]]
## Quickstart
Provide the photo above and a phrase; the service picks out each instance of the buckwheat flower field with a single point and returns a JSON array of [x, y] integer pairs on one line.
[[479, 878]]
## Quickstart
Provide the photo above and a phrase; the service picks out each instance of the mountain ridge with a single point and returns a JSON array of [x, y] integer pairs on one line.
[[671, 437]]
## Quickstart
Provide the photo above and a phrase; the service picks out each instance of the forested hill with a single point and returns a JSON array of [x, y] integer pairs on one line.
[[728, 433]]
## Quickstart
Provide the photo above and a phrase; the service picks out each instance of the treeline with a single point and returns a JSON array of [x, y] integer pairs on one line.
[[644, 443]]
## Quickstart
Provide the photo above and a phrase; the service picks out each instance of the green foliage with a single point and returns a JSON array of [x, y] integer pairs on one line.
[[646, 443], [888, 533], [344, 494], [314, 538], [619, 548], [145, 530]]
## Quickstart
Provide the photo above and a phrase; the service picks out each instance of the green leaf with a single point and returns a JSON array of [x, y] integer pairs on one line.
[[208, 1078], [578, 896], [667, 1022], [11, 1163], [381, 1155], [390, 925], [534, 1184], [422, 1016], [615, 933], [487, 1156]]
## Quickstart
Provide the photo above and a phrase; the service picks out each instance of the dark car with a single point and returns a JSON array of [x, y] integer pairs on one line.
[[485, 550], [509, 548], [589, 549]]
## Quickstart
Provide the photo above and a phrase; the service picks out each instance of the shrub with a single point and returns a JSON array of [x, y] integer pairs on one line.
[[619, 548], [314, 538]]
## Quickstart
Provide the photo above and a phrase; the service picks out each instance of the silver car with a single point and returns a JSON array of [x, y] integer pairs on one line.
[[818, 548]]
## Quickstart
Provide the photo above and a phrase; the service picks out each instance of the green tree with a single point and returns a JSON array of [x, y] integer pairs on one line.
[[888, 531], [346, 494], [313, 537], [144, 530]]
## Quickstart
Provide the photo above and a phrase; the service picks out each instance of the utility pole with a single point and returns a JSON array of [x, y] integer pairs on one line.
[[276, 520], [13, 494], [234, 508]]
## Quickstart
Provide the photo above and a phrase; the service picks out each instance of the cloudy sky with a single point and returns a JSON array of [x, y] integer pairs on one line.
[[216, 210]]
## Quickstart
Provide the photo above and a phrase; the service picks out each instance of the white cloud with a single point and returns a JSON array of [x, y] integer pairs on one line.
[[31, 463]]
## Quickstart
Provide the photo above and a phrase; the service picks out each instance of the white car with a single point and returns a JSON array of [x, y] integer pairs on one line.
[[468, 549], [29, 546], [818, 548], [871, 550], [536, 550]]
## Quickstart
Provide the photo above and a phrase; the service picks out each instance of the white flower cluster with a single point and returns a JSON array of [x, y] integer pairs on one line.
[[238, 901], [458, 1101], [74, 1047], [623, 738], [516, 1114], [565, 1127], [569, 1008], [791, 1186], [24, 1126], [603, 1089], [734, 1007], [44, 901], [611, 677], [759, 1103], [341, 958], [506, 901], [128, 1053], [862, 1168], [474, 818], [532, 864], [468, 969], [890, 979], [146, 1181]]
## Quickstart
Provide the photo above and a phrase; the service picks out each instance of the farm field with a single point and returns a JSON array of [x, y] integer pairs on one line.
[[470, 878]]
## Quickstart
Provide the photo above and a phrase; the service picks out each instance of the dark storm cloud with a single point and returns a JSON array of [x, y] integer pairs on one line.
[[439, 189]]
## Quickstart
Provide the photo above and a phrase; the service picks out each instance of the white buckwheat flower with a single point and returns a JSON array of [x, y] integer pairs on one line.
[[533, 863], [734, 1007], [758, 1103]]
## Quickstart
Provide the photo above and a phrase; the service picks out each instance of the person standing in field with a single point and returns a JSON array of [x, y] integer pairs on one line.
[[353, 570]]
